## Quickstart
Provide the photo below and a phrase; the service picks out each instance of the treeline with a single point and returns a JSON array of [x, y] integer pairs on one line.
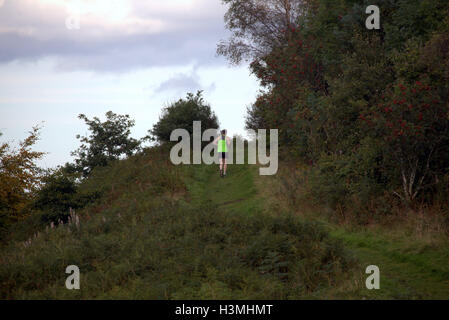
[[44, 196], [367, 110]]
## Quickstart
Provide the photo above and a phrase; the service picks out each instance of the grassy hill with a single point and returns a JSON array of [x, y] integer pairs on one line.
[[165, 232], [158, 231]]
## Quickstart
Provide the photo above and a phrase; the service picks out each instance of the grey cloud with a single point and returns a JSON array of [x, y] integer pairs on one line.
[[187, 37], [179, 82], [183, 83]]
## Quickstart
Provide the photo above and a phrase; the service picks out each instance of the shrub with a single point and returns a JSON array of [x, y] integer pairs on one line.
[[181, 114], [108, 141]]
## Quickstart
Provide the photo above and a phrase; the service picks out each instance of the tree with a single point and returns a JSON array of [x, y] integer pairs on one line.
[[258, 26], [320, 69], [289, 74], [412, 120], [60, 193], [108, 141], [20, 176], [181, 114]]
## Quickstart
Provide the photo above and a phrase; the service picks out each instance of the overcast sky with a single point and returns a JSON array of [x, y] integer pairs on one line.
[[60, 58]]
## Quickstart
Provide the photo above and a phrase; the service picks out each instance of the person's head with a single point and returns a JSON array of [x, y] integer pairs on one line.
[[223, 132]]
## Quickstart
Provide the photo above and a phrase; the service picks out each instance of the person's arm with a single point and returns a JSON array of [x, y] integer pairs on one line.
[[216, 140], [228, 141]]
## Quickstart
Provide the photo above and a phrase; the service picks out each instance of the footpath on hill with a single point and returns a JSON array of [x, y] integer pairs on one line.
[[236, 191], [408, 269]]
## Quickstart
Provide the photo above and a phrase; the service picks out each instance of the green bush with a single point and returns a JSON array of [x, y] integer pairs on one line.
[[181, 115], [108, 141]]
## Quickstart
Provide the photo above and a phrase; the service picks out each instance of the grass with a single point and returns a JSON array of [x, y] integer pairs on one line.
[[165, 232], [414, 264], [410, 268], [236, 192]]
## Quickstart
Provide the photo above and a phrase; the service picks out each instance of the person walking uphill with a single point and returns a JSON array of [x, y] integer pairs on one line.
[[223, 142]]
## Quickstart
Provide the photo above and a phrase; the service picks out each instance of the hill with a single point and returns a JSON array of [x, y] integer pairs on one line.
[[158, 231]]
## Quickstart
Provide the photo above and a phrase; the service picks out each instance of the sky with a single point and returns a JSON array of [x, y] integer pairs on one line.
[[61, 58]]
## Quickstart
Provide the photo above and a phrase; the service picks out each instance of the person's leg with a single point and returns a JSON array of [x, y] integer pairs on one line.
[[225, 165]]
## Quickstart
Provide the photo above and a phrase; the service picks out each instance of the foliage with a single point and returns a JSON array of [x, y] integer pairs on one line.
[[20, 176], [258, 27], [414, 126], [108, 141], [332, 88], [60, 194], [181, 114]]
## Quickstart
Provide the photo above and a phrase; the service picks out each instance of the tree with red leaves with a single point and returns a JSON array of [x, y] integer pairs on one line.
[[413, 122]]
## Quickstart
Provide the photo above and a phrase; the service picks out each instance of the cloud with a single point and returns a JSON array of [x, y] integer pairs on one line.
[[181, 83], [131, 35]]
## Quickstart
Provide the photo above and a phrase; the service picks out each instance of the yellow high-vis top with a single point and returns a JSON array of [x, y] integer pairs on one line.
[[222, 146]]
